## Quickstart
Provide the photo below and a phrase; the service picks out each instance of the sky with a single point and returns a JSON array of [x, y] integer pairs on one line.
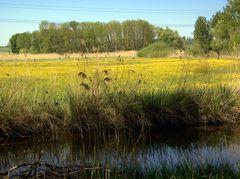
[[18, 16]]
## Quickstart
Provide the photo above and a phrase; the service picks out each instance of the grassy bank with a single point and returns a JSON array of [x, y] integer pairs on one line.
[[99, 95]]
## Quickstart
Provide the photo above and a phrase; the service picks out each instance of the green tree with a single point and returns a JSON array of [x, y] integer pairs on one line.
[[235, 42], [226, 27], [35, 43], [13, 44], [170, 37], [24, 42], [202, 34], [221, 40], [232, 15]]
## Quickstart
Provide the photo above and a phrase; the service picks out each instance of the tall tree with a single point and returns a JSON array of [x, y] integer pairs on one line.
[[24, 42], [232, 15], [35, 42], [220, 42], [13, 43], [202, 34]]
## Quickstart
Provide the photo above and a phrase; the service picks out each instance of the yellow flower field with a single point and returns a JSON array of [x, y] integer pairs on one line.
[[152, 72]]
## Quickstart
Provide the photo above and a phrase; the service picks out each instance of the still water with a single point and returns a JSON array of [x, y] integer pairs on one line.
[[198, 147]]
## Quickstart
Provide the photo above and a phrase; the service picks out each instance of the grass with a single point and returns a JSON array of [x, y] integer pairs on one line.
[[107, 94]]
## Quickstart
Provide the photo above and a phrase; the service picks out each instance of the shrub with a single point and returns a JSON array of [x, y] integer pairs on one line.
[[160, 49], [194, 50]]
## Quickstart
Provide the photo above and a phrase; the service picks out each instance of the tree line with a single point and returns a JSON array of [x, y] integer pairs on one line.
[[85, 37], [220, 34], [73, 37]]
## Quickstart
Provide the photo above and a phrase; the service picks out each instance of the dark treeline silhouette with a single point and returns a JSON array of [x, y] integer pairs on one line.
[[73, 37]]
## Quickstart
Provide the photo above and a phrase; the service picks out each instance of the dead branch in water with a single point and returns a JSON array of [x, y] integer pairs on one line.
[[41, 169]]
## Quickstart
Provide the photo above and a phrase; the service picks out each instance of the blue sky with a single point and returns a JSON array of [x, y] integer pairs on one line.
[[14, 13]]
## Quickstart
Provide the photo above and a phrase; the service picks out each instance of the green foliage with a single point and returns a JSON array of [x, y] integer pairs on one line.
[[13, 43], [220, 34], [219, 46], [202, 34], [193, 49], [220, 31], [170, 37], [225, 29], [20, 43], [24, 41], [85, 37], [137, 34], [235, 41], [155, 50]]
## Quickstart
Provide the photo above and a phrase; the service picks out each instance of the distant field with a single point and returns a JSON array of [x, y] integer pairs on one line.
[[65, 56], [4, 50]]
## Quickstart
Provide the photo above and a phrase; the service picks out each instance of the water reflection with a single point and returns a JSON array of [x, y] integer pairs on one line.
[[198, 147]]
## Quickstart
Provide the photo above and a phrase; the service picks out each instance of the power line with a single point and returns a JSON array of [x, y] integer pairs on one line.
[[175, 25], [88, 9], [31, 21], [39, 21], [26, 21], [38, 5]]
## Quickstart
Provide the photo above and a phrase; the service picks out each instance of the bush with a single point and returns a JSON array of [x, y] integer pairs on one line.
[[194, 50], [160, 49]]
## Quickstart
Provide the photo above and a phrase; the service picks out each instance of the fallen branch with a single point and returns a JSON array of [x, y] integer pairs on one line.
[[34, 170]]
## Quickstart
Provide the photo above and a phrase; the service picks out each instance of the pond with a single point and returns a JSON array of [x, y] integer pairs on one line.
[[171, 147]]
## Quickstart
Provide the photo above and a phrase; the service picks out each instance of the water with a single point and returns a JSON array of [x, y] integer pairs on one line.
[[198, 147]]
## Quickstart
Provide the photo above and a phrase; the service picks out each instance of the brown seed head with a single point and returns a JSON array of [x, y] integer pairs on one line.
[[107, 79], [82, 75], [85, 86], [106, 72]]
